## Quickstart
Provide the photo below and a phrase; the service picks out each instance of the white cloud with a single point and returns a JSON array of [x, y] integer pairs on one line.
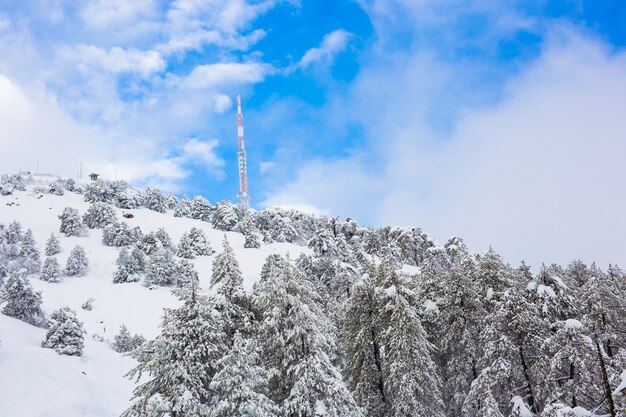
[[203, 152], [266, 166], [538, 175], [332, 44], [106, 13], [222, 103], [222, 75], [115, 60], [33, 129]]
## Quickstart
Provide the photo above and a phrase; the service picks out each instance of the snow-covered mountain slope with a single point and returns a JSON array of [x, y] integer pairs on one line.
[[39, 382]]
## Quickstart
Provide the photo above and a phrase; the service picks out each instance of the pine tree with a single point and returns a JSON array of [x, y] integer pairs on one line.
[[461, 321], [161, 269], [127, 268], [77, 262], [71, 223], [412, 384], [240, 384], [512, 339], [183, 208], [365, 362], [51, 271], [493, 276], [129, 198], [119, 234], [29, 255], [194, 244], [225, 216], [99, 215], [570, 368], [201, 209], [13, 235], [164, 238], [187, 274], [180, 362], [296, 341], [65, 333], [124, 342], [232, 301], [53, 247], [22, 302], [155, 200]]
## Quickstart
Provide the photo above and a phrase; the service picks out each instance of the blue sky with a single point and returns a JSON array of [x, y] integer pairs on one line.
[[498, 121]]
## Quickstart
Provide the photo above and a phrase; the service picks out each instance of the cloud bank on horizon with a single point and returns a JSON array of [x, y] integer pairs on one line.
[[500, 122]]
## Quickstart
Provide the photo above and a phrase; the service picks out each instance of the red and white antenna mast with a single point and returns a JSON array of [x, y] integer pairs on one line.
[[241, 157]]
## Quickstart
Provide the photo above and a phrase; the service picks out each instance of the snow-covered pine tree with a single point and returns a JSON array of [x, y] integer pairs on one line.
[[29, 255], [22, 302], [187, 274], [53, 247], [154, 199], [149, 243], [183, 208], [554, 300], [412, 384], [225, 216], [241, 383], [65, 333], [232, 301], [77, 262], [194, 244], [13, 234], [51, 271], [127, 268], [200, 245], [166, 241], [460, 322], [480, 400], [129, 198], [493, 277], [296, 341], [71, 223], [569, 366], [119, 234], [161, 269], [180, 362], [201, 209], [99, 215], [56, 188], [512, 339], [184, 247], [124, 342], [364, 352]]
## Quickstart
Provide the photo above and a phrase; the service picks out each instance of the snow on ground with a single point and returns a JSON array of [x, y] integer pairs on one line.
[[37, 382]]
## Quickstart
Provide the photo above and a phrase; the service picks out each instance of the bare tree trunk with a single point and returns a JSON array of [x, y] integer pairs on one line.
[[605, 380]]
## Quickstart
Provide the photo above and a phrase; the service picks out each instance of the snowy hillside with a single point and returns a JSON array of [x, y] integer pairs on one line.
[[217, 311], [39, 382]]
